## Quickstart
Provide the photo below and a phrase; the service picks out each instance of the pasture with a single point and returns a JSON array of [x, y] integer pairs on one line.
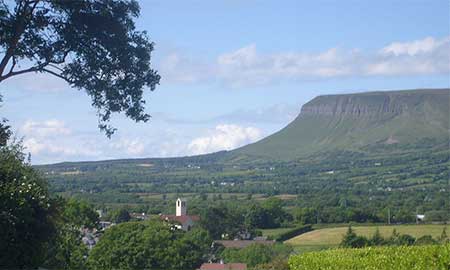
[[331, 237]]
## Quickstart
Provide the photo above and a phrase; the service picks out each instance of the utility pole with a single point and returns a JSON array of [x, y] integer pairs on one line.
[[389, 216]]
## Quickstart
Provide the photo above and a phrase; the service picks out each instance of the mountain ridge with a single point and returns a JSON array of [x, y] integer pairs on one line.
[[351, 121], [354, 121]]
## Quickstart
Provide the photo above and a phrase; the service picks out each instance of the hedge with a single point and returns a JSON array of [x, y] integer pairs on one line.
[[293, 233]]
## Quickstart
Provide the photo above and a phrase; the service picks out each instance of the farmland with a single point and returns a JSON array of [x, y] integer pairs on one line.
[[331, 237]]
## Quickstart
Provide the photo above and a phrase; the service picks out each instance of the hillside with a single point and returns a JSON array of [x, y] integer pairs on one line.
[[386, 146], [360, 121]]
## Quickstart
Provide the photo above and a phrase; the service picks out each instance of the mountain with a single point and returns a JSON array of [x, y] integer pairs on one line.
[[360, 122], [355, 143]]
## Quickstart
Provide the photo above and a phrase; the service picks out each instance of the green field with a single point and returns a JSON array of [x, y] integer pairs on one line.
[[331, 237]]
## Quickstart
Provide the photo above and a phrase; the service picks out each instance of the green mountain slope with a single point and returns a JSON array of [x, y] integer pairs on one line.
[[360, 121]]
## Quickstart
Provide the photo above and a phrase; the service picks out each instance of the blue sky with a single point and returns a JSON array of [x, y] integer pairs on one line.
[[235, 71]]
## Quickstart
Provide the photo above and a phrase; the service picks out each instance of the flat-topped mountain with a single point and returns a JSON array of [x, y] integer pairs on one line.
[[360, 121], [364, 122]]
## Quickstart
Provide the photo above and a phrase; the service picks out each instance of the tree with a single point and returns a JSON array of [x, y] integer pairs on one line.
[[231, 221], [92, 45], [351, 240], [306, 215], [5, 131], [377, 239], [274, 208], [401, 239], [27, 213], [66, 250], [120, 215], [80, 214], [149, 245], [443, 238]]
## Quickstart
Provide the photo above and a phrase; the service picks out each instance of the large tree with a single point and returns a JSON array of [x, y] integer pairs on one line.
[[149, 245], [26, 212], [91, 44]]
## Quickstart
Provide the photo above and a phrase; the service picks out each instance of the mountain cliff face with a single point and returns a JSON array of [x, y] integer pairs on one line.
[[359, 121]]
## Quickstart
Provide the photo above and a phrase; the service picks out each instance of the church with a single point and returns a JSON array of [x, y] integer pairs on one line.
[[182, 220]]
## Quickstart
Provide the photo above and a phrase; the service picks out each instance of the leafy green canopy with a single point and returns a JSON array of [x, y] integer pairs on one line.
[[92, 45], [26, 212], [149, 245]]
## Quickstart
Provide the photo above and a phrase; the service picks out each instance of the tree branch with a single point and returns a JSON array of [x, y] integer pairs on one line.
[[56, 74], [23, 16]]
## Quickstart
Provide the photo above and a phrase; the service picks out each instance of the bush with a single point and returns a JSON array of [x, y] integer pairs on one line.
[[27, 213], [380, 258]]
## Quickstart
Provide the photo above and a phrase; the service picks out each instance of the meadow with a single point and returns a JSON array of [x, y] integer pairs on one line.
[[331, 237]]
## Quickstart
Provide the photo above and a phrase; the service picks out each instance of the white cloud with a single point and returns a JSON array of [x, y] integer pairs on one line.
[[224, 137], [420, 57], [425, 45], [45, 128], [33, 146], [133, 147], [177, 68], [248, 66], [52, 138]]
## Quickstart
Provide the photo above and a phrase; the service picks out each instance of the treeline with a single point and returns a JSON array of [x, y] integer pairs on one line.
[[352, 240], [360, 188]]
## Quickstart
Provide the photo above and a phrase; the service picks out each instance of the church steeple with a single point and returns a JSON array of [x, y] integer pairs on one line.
[[181, 207]]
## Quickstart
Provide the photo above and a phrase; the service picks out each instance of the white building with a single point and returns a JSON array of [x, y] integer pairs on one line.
[[181, 220]]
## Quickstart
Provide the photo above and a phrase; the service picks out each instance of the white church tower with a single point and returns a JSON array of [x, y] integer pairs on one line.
[[181, 207]]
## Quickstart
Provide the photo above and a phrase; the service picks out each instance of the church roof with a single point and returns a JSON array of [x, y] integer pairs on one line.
[[181, 219]]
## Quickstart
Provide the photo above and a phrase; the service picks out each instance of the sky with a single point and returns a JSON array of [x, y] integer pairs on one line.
[[235, 71]]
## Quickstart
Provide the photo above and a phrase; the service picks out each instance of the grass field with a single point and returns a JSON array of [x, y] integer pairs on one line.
[[331, 237]]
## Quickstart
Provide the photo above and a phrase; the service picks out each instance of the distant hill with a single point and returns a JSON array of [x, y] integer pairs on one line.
[[360, 122]]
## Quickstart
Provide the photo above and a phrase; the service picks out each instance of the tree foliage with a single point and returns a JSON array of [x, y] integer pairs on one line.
[[66, 250], [26, 212], [120, 215], [92, 45], [149, 245]]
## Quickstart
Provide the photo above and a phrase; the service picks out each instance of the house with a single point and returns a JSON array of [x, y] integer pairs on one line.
[[140, 216], [222, 266], [420, 217], [181, 218]]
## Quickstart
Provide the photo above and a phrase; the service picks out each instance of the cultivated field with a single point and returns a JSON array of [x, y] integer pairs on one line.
[[331, 237]]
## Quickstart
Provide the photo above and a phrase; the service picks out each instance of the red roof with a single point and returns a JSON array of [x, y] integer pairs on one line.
[[180, 219], [220, 266]]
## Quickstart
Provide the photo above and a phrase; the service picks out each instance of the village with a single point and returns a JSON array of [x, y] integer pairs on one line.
[[185, 222]]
